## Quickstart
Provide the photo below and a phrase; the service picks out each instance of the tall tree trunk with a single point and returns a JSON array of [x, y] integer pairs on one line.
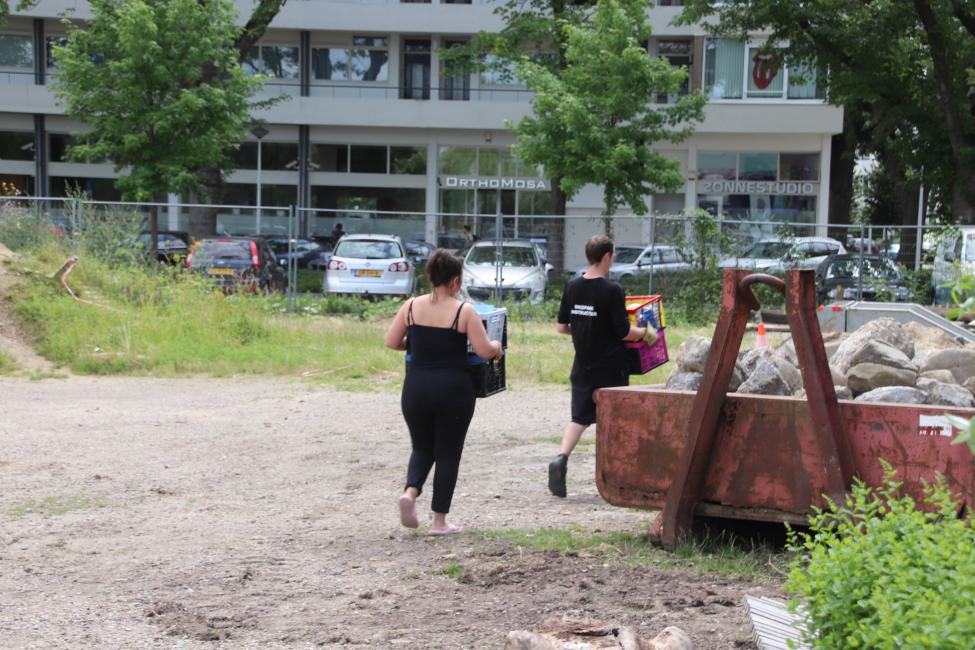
[[203, 218], [203, 221], [956, 110], [843, 150]]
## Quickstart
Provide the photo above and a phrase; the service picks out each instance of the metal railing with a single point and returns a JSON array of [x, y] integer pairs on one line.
[[653, 249]]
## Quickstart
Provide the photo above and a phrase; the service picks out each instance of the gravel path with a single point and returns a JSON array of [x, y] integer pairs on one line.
[[146, 513]]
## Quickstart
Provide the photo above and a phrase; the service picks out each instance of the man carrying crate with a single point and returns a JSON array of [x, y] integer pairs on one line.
[[593, 312]]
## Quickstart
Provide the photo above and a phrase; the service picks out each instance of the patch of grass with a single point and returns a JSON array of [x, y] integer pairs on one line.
[[7, 364], [57, 505], [142, 320], [454, 571], [725, 556]]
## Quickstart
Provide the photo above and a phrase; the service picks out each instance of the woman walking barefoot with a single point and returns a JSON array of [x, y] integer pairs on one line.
[[438, 396]]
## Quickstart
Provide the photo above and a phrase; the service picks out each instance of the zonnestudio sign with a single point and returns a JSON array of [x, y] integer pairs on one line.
[[758, 187], [494, 183]]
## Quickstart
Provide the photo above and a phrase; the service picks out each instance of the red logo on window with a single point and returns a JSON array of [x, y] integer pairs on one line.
[[765, 69]]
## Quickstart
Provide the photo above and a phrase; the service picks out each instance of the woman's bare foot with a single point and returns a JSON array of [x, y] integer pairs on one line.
[[407, 510], [449, 530], [440, 525]]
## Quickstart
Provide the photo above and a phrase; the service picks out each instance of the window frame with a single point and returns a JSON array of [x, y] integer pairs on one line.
[[27, 68], [349, 45], [749, 45]]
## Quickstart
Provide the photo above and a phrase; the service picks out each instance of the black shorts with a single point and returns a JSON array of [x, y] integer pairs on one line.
[[583, 404]]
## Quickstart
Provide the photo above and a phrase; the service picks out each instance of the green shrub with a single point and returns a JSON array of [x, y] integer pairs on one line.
[[919, 284], [877, 572]]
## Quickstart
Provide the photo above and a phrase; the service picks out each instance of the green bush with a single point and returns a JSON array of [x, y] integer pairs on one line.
[[877, 572]]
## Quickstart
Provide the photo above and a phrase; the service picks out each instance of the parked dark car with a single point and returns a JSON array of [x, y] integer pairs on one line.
[[838, 278], [238, 263], [306, 253], [418, 251], [172, 245]]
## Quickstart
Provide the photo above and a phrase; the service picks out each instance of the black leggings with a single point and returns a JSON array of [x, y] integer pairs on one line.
[[438, 405]]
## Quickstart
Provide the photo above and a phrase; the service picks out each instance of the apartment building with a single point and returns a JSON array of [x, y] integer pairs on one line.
[[374, 121]]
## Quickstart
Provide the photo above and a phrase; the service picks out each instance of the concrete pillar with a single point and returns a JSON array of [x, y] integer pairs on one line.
[[822, 201], [304, 185], [172, 211], [432, 198], [40, 157], [690, 189], [40, 53]]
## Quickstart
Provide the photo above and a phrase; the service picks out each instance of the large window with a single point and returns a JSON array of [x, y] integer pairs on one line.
[[498, 73], [281, 156], [677, 52], [16, 145], [16, 51], [278, 61], [366, 58], [732, 71], [483, 161], [369, 159], [757, 166]]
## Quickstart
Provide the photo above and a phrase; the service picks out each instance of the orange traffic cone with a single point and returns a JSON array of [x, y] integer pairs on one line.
[[761, 341]]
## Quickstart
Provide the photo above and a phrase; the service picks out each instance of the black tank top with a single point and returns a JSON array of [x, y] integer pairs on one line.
[[436, 347]]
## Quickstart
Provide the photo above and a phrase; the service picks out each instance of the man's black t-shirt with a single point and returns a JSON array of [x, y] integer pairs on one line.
[[595, 311]]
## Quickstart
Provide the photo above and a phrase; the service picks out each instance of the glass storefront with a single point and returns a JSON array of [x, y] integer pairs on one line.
[[766, 187]]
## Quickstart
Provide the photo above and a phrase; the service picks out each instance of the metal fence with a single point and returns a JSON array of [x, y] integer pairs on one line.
[[655, 250]]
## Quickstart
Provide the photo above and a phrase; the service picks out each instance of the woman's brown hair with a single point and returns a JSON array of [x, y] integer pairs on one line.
[[443, 266]]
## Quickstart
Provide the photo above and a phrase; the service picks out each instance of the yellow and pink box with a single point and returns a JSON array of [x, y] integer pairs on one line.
[[647, 311]]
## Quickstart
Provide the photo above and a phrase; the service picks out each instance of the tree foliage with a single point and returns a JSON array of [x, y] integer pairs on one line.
[[904, 67], [20, 6], [159, 84], [594, 123]]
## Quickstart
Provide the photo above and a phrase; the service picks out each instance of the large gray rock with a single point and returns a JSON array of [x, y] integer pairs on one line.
[[842, 392], [960, 362], [839, 378], [865, 377], [882, 354], [942, 394], [765, 379], [692, 355], [969, 385], [789, 372], [882, 329], [737, 378], [684, 381], [749, 358], [894, 395], [931, 338], [787, 351], [938, 375]]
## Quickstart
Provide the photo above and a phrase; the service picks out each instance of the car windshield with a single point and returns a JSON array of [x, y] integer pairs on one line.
[[510, 256], [878, 268], [767, 250], [222, 249], [368, 249], [626, 255], [166, 241]]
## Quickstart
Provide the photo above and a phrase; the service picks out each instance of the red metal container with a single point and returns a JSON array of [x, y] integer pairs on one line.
[[759, 457]]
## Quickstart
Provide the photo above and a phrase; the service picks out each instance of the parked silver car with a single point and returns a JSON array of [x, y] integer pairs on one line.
[[523, 274], [777, 254], [374, 265]]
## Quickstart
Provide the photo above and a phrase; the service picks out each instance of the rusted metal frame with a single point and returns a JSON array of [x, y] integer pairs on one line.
[[834, 445], [695, 457]]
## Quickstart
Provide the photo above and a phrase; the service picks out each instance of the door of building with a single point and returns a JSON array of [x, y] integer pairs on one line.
[[416, 69]]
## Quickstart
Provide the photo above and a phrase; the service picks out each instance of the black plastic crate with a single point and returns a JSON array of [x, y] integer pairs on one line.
[[489, 377]]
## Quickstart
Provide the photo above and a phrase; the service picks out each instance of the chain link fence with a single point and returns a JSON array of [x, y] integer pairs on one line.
[[680, 256]]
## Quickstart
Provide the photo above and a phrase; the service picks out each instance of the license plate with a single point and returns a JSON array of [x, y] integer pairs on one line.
[[221, 271], [368, 273]]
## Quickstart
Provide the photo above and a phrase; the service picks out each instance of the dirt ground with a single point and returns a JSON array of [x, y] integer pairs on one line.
[[249, 513]]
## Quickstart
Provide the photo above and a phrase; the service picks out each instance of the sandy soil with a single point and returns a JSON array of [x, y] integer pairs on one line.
[[12, 338], [144, 513]]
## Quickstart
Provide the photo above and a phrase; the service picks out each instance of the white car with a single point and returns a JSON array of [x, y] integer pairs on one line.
[[374, 265], [770, 255], [522, 272]]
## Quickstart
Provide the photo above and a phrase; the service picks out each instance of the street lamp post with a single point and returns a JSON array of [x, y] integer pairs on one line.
[[259, 132]]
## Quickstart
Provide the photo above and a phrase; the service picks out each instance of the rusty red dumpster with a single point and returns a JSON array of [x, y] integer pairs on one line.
[[759, 457]]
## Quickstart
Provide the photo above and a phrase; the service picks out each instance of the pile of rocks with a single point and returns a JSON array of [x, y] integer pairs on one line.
[[883, 361]]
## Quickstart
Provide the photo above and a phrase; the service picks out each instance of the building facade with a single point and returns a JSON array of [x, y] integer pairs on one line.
[[374, 122]]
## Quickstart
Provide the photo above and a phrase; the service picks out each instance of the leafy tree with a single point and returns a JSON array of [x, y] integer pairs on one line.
[[532, 28], [160, 85], [20, 6], [594, 123], [908, 95]]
